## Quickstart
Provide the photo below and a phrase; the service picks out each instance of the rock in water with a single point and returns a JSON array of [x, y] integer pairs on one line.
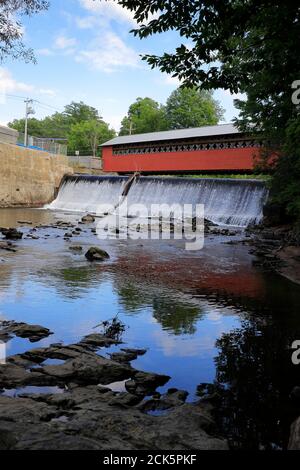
[[33, 332], [96, 254], [12, 234], [87, 219]]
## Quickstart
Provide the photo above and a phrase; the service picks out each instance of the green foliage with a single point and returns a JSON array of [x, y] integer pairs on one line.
[[11, 30], [86, 136], [189, 107], [80, 124], [144, 115], [240, 46], [79, 112], [35, 126], [186, 107], [286, 181]]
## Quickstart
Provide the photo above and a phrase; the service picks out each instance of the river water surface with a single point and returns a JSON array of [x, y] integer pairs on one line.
[[207, 316]]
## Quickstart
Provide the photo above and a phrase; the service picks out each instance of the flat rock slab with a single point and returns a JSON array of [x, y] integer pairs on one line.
[[88, 418], [87, 369], [33, 332]]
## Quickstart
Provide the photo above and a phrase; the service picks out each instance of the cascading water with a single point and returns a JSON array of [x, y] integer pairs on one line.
[[86, 193], [226, 201]]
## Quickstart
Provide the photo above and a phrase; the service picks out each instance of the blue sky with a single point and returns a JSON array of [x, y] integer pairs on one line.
[[85, 52]]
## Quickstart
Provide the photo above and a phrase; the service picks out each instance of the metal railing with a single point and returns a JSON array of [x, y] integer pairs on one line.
[[43, 144]]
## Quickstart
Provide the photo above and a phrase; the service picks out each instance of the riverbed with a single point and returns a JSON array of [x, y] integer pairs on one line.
[[205, 317]]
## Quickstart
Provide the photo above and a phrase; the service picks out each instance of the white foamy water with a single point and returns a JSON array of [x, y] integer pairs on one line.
[[226, 201]]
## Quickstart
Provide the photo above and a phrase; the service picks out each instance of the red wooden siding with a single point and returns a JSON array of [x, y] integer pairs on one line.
[[236, 159]]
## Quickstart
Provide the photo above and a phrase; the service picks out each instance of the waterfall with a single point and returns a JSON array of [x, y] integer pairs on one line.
[[235, 202], [85, 193]]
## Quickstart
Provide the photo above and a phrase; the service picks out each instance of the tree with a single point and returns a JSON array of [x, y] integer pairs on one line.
[[35, 126], [86, 136], [144, 115], [58, 124], [189, 107], [79, 112], [11, 30], [241, 46]]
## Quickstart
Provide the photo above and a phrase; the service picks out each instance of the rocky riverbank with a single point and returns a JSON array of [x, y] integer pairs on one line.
[[74, 405], [277, 248]]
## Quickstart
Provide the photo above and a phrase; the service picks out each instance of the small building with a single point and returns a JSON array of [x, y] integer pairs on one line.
[[221, 148]]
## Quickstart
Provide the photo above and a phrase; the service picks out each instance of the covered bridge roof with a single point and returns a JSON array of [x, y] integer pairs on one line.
[[205, 131]]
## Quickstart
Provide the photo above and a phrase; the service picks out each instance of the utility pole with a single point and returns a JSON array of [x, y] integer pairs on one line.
[[28, 110]]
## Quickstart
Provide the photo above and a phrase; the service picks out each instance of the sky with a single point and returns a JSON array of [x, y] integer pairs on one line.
[[85, 52]]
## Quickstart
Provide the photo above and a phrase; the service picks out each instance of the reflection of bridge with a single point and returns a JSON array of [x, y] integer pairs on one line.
[[210, 148]]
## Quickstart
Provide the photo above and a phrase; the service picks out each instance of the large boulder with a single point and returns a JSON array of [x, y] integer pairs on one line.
[[96, 254], [88, 219], [12, 234]]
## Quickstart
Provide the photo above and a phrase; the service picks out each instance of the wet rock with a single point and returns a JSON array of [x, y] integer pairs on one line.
[[138, 352], [123, 357], [127, 355], [86, 418], [75, 248], [171, 399], [89, 416], [5, 337], [13, 376], [97, 340], [124, 399], [7, 246], [294, 441], [87, 219], [12, 234], [87, 369], [145, 383], [68, 235], [23, 330], [96, 254]]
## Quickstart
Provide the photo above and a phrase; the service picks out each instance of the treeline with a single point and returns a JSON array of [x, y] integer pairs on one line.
[[85, 130]]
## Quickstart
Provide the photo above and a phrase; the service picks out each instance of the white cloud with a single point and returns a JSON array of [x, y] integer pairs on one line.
[[172, 81], [109, 10], [44, 52], [47, 92], [88, 22], [108, 53], [114, 120], [63, 42], [9, 85]]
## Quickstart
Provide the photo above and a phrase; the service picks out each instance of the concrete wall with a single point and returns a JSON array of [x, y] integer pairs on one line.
[[29, 177], [7, 135], [85, 162]]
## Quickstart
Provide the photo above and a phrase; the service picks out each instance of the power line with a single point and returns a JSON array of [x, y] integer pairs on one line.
[[40, 103]]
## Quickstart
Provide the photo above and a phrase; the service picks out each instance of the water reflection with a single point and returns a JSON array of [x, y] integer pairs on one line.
[[178, 317], [205, 317], [254, 378]]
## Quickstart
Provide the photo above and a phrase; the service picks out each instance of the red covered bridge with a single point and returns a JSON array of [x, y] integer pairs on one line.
[[221, 148]]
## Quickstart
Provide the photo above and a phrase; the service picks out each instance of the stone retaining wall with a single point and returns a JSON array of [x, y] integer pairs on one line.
[[29, 177]]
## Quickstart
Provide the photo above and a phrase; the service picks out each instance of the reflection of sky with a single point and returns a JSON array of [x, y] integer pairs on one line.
[[187, 358], [44, 283]]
